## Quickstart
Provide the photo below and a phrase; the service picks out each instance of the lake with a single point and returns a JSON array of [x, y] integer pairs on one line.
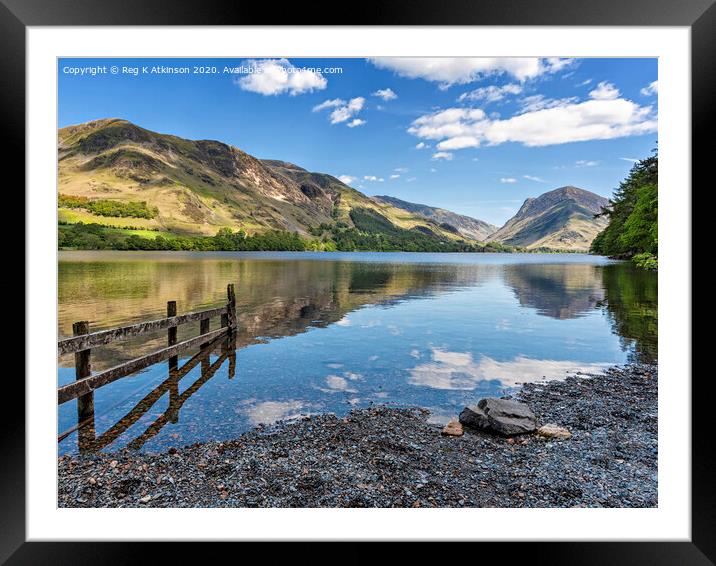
[[327, 332]]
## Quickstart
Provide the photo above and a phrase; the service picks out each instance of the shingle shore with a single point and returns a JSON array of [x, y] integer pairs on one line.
[[389, 457]]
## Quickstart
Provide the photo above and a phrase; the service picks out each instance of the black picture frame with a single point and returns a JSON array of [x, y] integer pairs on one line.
[[699, 15]]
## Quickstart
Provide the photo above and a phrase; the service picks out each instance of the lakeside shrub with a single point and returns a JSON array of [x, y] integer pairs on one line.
[[110, 208]]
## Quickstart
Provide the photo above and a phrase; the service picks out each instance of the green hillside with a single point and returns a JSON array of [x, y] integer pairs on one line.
[[119, 182]]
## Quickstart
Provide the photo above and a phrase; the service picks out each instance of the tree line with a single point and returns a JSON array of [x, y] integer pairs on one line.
[[99, 237], [632, 232]]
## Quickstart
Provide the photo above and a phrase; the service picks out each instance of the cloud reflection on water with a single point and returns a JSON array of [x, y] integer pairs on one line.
[[269, 412], [460, 371]]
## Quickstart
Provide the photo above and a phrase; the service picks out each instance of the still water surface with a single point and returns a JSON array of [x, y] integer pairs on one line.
[[329, 332]]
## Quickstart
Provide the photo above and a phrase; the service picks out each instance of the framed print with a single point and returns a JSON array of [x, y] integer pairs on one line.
[[390, 279]]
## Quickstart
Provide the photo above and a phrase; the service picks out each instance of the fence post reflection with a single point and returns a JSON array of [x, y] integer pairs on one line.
[[87, 438]]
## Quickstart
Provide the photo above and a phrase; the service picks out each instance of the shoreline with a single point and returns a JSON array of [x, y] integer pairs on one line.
[[521, 251], [390, 457]]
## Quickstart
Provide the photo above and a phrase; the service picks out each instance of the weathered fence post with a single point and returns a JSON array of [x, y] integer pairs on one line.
[[204, 326], [231, 307], [172, 334], [85, 403]]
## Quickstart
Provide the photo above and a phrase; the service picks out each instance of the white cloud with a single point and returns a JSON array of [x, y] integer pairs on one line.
[[401, 169], [462, 70], [458, 128], [586, 163], [540, 102], [346, 179], [554, 64], [604, 91], [650, 89], [386, 94], [411, 179], [509, 180], [491, 93], [422, 145], [277, 76], [395, 176], [333, 103], [535, 179], [585, 82], [629, 159], [459, 142], [448, 123], [433, 170], [344, 111], [446, 155], [371, 178]]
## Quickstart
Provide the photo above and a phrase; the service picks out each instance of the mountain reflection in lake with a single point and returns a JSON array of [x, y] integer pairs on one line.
[[329, 332]]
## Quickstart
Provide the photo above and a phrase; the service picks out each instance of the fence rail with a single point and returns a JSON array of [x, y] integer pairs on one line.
[[104, 337], [82, 343]]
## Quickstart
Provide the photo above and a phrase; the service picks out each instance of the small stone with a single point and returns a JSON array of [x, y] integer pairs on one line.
[[92, 481], [453, 428], [146, 499], [172, 450], [551, 430], [113, 464]]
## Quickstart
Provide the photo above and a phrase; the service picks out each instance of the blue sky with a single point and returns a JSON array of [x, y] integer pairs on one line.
[[476, 136]]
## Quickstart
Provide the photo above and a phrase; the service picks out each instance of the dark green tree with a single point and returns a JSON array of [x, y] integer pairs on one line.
[[632, 232]]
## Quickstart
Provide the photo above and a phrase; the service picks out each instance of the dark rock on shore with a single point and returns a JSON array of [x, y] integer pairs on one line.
[[503, 416], [385, 457]]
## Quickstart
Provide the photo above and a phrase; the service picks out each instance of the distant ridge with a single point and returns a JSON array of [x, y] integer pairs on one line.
[[469, 227]]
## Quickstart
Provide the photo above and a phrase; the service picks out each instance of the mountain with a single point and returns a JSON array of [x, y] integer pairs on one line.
[[197, 187], [469, 228], [561, 219], [117, 174]]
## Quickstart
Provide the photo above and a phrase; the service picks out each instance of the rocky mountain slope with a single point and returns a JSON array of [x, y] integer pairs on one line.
[[560, 219], [470, 228], [198, 187]]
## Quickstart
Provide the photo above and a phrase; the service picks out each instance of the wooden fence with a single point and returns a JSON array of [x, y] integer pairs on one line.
[[83, 341], [88, 441]]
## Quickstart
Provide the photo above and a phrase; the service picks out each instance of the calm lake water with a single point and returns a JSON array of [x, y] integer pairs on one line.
[[329, 332]]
